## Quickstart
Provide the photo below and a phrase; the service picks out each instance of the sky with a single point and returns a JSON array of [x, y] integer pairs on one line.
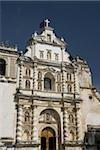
[[78, 22]]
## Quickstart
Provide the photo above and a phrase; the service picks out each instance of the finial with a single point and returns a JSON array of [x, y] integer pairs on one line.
[[47, 22], [62, 39], [34, 34], [21, 52]]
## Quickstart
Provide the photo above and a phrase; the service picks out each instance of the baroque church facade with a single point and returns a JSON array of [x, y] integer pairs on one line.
[[47, 98]]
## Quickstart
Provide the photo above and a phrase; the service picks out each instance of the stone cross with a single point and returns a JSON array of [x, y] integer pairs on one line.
[[47, 22]]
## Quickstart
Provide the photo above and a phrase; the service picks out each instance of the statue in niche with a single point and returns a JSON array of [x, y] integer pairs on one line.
[[71, 135], [27, 116], [71, 118], [47, 117]]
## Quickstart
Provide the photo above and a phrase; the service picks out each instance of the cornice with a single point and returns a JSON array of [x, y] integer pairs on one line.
[[48, 63], [9, 52], [7, 81], [53, 99]]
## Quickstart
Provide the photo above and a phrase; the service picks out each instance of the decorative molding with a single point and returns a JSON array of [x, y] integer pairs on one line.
[[48, 69]]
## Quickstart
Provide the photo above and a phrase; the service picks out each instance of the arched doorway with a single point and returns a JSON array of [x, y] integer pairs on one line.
[[51, 119], [48, 139]]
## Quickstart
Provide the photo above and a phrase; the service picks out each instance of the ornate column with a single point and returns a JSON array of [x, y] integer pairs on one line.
[[34, 127], [63, 105], [75, 105], [19, 123], [79, 124], [65, 125], [34, 76], [20, 74]]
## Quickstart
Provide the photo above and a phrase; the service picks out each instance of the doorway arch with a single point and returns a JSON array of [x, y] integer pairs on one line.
[[48, 139], [50, 118]]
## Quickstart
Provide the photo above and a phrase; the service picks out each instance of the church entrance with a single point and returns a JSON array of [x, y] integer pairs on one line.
[[48, 139]]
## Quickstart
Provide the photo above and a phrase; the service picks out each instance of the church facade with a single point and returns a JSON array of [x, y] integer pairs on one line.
[[47, 98]]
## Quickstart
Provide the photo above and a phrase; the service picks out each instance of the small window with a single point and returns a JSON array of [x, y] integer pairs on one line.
[[47, 83], [56, 57], [28, 72], [2, 67], [48, 37], [41, 54], [69, 88], [27, 84], [49, 55]]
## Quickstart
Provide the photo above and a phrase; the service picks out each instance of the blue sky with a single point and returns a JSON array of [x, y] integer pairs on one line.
[[78, 22]]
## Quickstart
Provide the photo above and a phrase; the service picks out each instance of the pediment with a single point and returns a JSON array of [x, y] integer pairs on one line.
[[42, 37]]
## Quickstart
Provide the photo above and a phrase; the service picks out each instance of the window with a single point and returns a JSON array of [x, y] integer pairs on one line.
[[69, 88], [56, 57], [68, 77], [47, 83], [48, 55], [41, 54], [2, 67], [28, 72], [27, 84], [48, 37]]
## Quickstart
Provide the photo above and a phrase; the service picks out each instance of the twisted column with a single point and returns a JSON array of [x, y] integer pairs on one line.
[[19, 123], [34, 129], [65, 119]]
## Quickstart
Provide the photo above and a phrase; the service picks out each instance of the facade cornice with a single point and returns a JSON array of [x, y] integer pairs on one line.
[[53, 99], [45, 63], [54, 64]]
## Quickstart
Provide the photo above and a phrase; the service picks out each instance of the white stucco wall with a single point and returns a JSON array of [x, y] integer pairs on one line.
[[7, 109]]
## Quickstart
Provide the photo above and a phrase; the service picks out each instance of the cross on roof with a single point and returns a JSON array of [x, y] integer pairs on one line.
[[47, 22]]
